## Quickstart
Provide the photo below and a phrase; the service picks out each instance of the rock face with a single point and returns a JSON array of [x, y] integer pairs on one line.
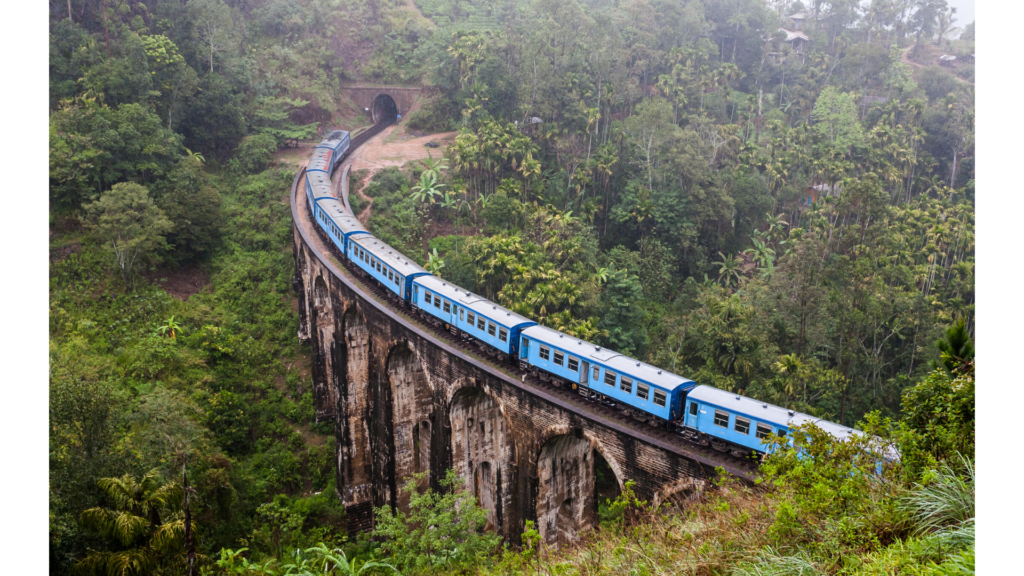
[[404, 401]]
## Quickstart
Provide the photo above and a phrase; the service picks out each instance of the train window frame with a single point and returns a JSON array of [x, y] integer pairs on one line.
[[491, 329], [397, 282], [694, 407], [559, 357], [607, 374], [781, 433], [574, 364], [437, 301], [643, 391], [481, 324], [544, 353], [660, 398], [721, 414], [462, 314], [428, 298], [471, 319], [447, 307], [626, 384], [597, 373], [743, 423], [762, 430], [502, 334]]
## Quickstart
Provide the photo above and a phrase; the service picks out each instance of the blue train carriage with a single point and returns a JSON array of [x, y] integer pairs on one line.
[[644, 390], [339, 224], [318, 185], [470, 316], [337, 142], [320, 161], [733, 423], [389, 267]]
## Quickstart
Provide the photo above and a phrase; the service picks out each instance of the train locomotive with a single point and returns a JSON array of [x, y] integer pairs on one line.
[[703, 414]]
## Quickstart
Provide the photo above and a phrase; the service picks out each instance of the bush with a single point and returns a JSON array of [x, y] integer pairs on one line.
[[254, 154]]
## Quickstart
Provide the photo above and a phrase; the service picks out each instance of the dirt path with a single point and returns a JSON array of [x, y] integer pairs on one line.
[[906, 60], [392, 147]]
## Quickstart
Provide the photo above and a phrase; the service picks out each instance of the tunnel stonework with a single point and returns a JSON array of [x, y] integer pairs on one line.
[[404, 401], [366, 97]]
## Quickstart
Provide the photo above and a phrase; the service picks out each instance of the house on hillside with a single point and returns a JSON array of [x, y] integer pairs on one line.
[[799, 20], [813, 193], [947, 60], [797, 41]]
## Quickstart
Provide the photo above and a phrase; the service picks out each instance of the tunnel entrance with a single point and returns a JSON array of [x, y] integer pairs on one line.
[[384, 109]]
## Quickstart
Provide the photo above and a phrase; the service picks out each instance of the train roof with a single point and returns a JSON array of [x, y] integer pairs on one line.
[[318, 180], [342, 218], [473, 302], [388, 255], [766, 412], [334, 137], [607, 357]]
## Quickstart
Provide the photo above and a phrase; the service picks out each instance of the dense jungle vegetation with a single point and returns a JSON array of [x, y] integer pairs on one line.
[[673, 179]]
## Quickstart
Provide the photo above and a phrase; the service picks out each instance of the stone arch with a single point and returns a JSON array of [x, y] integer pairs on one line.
[[598, 446], [412, 409], [683, 489], [565, 488], [323, 328], [384, 108], [483, 450], [354, 471]]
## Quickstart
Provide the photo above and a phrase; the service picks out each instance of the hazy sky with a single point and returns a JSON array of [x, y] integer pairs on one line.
[[964, 11]]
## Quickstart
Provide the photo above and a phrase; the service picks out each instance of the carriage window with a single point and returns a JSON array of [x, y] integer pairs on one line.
[[659, 398], [447, 306], [480, 324], [763, 430], [462, 314], [721, 419], [503, 336], [490, 329], [574, 364], [545, 353], [390, 275], [742, 425], [596, 373], [693, 408], [642, 390], [437, 301], [559, 358], [782, 433], [626, 385], [427, 297], [378, 268], [470, 318], [609, 377], [397, 279]]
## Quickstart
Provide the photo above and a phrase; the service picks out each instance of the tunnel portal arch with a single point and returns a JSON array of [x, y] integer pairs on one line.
[[384, 108]]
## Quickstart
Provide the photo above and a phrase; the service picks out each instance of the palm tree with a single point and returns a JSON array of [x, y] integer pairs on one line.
[[433, 167], [328, 561], [145, 528], [790, 367], [945, 25], [428, 189], [956, 348], [728, 269], [763, 256]]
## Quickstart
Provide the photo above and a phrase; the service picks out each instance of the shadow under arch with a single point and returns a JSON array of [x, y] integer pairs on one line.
[[484, 451]]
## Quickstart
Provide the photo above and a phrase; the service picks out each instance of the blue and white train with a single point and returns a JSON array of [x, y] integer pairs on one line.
[[727, 422]]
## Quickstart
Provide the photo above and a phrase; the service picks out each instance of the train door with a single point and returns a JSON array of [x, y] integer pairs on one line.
[[415, 293], [584, 372], [524, 350], [692, 413]]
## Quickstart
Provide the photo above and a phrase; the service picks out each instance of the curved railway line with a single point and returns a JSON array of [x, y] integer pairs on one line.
[[605, 413]]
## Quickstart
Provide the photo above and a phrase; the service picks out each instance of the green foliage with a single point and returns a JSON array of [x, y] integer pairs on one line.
[[940, 412], [254, 153], [836, 124], [128, 223], [441, 531], [145, 524], [621, 301]]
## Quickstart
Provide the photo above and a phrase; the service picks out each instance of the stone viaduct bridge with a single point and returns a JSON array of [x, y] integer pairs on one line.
[[405, 399]]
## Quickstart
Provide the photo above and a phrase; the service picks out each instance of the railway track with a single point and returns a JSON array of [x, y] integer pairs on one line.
[[584, 404]]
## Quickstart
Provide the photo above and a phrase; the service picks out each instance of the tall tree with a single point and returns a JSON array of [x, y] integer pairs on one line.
[[127, 221]]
